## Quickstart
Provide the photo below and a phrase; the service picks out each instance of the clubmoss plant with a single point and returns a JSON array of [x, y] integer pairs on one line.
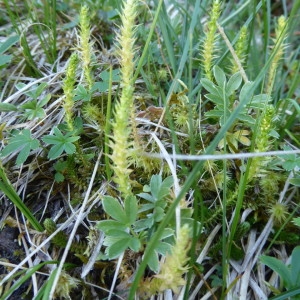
[[209, 43], [86, 47], [121, 143], [263, 142], [68, 87], [240, 50], [60, 239], [280, 35], [279, 212], [65, 286], [172, 269]]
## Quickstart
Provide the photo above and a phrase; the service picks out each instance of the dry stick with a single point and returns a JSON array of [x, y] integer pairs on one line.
[[243, 155], [235, 57], [76, 225]]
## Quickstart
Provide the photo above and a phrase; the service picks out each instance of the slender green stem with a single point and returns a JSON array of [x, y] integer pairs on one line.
[[12, 195]]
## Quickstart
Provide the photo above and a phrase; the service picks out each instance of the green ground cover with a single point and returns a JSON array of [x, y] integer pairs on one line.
[[149, 149]]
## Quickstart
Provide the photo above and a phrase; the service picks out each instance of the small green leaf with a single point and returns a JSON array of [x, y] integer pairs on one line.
[[234, 83], [23, 143], [81, 93], [209, 86], [163, 248], [6, 107], [219, 76], [131, 209], [104, 75], [143, 224], [119, 234], [113, 208], [246, 118], [116, 249], [56, 151], [107, 225], [165, 187], [134, 244], [146, 196], [35, 91], [167, 232], [216, 99], [61, 143], [59, 177], [260, 101], [146, 188], [145, 207], [101, 86], [246, 91], [33, 109], [158, 214], [153, 262], [155, 184], [69, 148]]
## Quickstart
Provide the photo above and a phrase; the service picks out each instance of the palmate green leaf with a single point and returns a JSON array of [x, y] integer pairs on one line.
[[61, 143], [114, 209], [34, 109], [23, 143], [81, 93], [215, 113]]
